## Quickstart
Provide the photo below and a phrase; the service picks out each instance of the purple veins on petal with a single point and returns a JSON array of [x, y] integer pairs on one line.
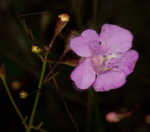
[[80, 47], [90, 35], [128, 61], [109, 80], [115, 39], [87, 44]]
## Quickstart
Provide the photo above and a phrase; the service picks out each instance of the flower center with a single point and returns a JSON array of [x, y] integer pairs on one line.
[[100, 62], [109, 57]]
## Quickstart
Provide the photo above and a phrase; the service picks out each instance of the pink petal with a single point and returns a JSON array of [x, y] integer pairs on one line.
[[83, 75], [115, 39], [128, 61], [109, 80], [90, 35], [87, 44], [79, 46]]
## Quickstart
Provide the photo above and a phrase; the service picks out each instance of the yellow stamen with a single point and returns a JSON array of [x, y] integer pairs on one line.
[[111, 56], [94, 60], [98, 60]]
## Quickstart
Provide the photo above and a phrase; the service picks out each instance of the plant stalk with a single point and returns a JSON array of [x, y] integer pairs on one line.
[[13, 102], [37, 95]]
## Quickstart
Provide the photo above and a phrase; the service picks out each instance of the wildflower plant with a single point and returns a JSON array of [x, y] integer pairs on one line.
[[106, 61]]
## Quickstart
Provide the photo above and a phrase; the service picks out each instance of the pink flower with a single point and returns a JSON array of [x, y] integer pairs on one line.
[[107, 58], [113, 117]]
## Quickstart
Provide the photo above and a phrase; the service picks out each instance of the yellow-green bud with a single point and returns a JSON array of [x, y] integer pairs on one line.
[[36, 49], [23, 94]]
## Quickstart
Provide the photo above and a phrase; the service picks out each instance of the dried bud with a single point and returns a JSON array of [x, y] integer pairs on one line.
[[147, 119], [36, 49], [23, 94], [15, 85], [2, 71], [72, 62]]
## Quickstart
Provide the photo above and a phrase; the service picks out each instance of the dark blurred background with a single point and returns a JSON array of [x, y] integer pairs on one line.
[[27, 22]]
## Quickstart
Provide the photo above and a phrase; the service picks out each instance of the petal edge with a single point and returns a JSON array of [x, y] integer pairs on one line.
[[109, 80], [83, 75], [115, 39]]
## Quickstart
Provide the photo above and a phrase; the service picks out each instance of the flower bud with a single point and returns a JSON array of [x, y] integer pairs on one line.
[[36, 49], [15, 85], [113, 117], [23, 94], [63, 19]]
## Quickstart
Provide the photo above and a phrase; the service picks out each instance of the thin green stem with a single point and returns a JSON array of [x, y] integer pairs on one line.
[[13, 102], [31, 121], [37, 95]]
